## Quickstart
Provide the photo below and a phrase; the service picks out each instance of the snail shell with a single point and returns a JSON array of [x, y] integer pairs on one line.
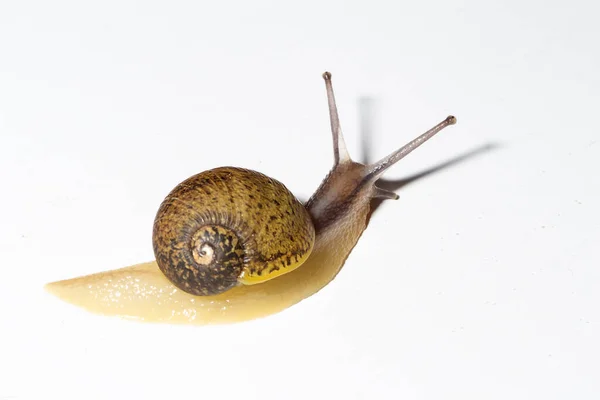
[[228, 226]]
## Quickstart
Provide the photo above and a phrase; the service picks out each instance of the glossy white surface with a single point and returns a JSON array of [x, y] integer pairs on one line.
[[481, 282]]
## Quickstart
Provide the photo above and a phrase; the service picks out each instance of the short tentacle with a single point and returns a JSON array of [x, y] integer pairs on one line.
[[380, 193]]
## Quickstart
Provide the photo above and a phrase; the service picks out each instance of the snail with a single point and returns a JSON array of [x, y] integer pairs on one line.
[[232, 244]]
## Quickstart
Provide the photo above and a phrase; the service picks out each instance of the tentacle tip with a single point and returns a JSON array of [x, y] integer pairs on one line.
[[451, 120], [327, 76], [381, 193]]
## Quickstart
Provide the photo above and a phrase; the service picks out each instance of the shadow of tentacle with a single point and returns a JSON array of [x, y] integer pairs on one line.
[[396, 184], [366, 122]]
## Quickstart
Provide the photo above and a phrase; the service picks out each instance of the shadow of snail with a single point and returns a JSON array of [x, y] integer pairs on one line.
[[232, 244]]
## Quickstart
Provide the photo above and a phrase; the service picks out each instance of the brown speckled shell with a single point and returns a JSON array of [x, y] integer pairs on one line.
[[254, 224]]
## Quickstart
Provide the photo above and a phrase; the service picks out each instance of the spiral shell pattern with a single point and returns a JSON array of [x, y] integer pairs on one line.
[[228, 226]]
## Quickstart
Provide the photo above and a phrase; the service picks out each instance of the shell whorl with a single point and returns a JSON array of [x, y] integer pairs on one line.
[[228, 226]]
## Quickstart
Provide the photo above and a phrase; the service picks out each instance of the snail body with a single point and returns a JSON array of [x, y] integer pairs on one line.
[[232, 244]]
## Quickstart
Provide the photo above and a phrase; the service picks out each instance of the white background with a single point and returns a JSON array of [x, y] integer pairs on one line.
[[481, 282]]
